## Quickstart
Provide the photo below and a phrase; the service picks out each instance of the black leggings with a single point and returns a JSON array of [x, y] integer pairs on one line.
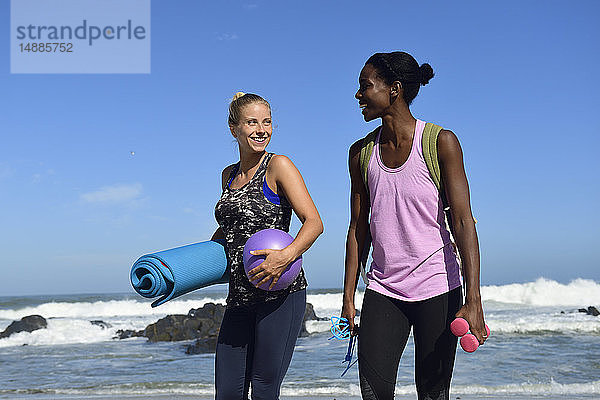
[[385, 324], [255, 347]]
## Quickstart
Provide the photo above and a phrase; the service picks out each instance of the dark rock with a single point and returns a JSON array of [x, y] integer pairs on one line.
[[209, 310], [591, 310], [309, 315], [202, 324], [198, 323], [202, 346], [29, 323], [101, 324], [128, 333], [174, 328]]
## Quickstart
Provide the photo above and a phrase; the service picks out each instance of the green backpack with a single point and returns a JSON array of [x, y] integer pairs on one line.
[[430, 136]]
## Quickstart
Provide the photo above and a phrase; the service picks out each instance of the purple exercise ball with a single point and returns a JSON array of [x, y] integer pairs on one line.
[[271, 239]]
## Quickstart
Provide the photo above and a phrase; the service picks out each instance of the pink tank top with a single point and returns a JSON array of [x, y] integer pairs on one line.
[[413, 256]]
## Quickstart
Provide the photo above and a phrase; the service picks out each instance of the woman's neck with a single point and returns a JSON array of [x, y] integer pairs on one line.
[[398, 125], [250, 161]]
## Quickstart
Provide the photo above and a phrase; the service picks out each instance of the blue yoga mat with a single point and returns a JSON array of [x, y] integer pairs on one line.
[[172, 273]]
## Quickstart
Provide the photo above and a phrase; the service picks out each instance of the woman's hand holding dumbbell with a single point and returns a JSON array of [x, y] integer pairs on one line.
[[472, 312], [468, 341]]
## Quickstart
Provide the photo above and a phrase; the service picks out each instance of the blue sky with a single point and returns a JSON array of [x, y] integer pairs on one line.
[[516, 81]]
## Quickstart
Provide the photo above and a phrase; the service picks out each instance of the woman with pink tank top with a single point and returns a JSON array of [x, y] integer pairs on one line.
[[414, 279]]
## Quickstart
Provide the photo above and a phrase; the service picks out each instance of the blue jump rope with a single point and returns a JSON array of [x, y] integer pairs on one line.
[[339, 330]]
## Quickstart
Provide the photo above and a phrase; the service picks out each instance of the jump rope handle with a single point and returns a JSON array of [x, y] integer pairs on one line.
[[340, 329], [468, 341]]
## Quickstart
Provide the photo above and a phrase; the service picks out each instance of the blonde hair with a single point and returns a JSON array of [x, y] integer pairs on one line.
[[237, 96], [241, 100]]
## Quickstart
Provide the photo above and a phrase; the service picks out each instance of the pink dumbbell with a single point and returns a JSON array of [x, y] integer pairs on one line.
[[468, 341]]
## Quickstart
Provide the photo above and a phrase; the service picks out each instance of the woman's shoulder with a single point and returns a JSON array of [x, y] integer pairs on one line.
[[228, 170], [226, 173], [355, 148], [446, 136], [448, 145], [281, 168], [279, 162]]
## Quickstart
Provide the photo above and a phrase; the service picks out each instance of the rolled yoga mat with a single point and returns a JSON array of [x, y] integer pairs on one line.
[[172, 273]]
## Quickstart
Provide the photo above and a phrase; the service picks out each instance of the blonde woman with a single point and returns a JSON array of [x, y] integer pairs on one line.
[[260, 328]]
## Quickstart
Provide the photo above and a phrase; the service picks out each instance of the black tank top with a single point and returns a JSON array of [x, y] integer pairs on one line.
[[241, 213]]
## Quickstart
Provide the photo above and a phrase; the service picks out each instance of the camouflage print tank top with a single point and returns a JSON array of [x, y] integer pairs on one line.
[[241, 213]]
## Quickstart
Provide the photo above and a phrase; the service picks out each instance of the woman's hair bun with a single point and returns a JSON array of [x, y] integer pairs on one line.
[[238, 95], [426, 73]]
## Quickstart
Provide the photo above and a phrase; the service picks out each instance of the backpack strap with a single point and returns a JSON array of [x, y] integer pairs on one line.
[[430, 153], [366, 150]]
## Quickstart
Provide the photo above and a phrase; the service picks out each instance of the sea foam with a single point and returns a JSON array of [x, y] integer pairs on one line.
[[540, 307], [111, 308], [545, 292], [60, 331], [542, 292]]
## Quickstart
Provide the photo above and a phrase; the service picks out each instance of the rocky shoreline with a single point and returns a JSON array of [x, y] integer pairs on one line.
[[200, 325]]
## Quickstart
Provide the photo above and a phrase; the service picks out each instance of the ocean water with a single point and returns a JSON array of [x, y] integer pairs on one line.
[[540, 347]]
